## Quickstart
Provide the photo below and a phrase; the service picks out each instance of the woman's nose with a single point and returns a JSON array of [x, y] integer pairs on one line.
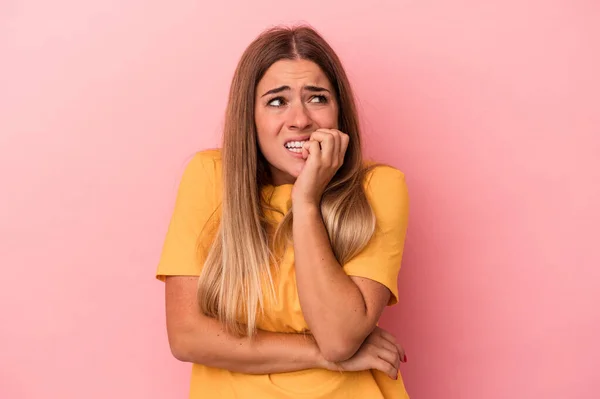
[[299, 117]]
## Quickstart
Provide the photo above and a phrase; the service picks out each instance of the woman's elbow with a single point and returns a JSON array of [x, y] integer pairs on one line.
[[340, 345], [338, 350], [179, 347]]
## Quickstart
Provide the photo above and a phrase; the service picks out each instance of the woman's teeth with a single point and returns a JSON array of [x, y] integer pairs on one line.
[[295, 146]]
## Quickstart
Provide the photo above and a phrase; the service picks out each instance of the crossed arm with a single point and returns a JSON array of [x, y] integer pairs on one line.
[[330, 299]]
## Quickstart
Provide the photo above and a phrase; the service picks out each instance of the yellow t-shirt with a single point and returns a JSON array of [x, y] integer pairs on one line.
[[198, 199]]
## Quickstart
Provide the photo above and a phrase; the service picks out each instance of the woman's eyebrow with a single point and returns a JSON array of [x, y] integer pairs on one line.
[[315, 88], [284, 88]]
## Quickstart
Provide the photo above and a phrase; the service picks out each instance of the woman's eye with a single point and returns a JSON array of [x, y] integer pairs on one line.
[[322, 99], [276, 102]]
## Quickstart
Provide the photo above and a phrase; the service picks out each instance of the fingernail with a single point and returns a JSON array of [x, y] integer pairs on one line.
[[405, 358]]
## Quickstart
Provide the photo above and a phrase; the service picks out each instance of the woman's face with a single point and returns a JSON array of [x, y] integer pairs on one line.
[[293, 99]]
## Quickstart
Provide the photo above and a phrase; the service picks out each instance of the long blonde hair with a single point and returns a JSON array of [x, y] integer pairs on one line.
[[238, 266]]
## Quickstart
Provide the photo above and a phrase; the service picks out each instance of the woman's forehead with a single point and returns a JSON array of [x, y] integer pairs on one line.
[[293, 73]]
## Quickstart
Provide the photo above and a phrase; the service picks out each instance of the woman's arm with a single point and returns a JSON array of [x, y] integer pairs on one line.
[[197, 338], [341, 311]]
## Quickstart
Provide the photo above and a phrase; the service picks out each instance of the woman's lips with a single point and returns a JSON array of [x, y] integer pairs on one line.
[[296, 154]]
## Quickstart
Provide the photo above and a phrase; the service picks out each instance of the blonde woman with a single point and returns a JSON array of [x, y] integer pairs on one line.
[[284, 246]]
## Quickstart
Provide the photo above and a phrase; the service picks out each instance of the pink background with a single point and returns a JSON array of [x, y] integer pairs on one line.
[[490, 108]]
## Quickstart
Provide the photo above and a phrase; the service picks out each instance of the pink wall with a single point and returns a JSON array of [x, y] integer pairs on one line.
[[490, 108]]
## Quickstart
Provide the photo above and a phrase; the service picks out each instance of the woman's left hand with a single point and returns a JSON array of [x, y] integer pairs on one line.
[[324, 155]]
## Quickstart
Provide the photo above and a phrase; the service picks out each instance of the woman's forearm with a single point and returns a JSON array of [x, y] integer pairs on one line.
[[332, 303], [197, 338], [265, 353]]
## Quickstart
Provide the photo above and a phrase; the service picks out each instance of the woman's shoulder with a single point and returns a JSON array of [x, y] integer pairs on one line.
[[387, 192], [380, 175], [203, 167], [208, 155], [206, 161]]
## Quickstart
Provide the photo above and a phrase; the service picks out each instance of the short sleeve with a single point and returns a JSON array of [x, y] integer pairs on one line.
[[188, 236], [380, 260]]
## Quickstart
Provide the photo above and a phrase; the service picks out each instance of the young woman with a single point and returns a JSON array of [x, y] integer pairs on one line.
[[284, 246]]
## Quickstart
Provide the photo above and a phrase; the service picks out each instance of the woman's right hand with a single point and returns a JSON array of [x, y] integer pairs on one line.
[[379, 351]]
